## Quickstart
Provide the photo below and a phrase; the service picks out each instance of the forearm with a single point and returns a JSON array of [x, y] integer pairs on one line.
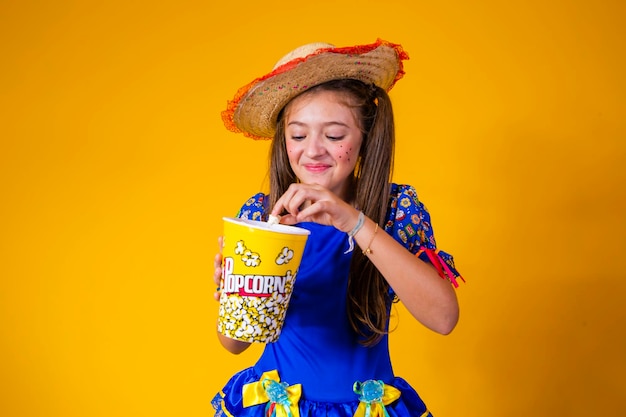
[[428, 297], [233, 346]]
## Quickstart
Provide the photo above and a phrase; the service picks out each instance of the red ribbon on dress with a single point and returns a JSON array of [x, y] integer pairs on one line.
[[443, 269]]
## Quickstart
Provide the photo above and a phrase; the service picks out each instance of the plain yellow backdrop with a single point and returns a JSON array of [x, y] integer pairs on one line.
[[116, 170]]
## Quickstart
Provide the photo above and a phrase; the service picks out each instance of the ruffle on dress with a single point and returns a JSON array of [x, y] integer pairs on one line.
[[231, 401]]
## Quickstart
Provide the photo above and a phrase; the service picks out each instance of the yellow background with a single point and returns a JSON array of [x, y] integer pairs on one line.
[[116, 170]]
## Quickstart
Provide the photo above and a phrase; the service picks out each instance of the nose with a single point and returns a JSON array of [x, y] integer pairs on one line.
[[314, 146]]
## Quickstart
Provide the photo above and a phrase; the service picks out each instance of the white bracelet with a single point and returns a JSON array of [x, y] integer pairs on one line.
[[359, 224]]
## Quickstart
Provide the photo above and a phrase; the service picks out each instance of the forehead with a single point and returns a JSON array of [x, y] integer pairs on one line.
[[320, 100]]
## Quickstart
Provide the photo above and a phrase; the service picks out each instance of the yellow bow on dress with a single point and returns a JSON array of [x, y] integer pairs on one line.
[[373, 397], [282, 399]]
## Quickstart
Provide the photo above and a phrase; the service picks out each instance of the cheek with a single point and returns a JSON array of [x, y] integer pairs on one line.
[[346, 153], [293, 153]]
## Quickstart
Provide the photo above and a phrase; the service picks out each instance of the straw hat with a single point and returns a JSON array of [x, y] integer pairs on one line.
[[254, 109]]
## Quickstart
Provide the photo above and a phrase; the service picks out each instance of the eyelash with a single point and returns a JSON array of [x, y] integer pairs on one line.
[[331, 138]]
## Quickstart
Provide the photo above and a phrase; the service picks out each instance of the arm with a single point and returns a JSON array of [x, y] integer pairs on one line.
[[428, 297], [233, 346]]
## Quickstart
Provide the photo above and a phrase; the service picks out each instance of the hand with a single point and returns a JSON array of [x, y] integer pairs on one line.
[[314, 203], [232, 345], [217, 264]]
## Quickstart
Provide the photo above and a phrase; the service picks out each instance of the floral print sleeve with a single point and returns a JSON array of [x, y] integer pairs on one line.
[[255, 208], [408, 221]]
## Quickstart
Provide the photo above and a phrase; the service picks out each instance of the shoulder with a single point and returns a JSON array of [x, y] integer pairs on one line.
[[255, 208], [403, 198], [408, 219], [403, 191]]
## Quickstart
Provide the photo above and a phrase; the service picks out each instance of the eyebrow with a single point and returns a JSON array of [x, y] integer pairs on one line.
[[295, 122]]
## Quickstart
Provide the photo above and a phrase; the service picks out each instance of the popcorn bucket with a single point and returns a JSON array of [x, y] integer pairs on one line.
[[259, 268]]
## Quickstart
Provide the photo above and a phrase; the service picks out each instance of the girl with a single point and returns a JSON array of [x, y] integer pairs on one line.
[[331, 122]]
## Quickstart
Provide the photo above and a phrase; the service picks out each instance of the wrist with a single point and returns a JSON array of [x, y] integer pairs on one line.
[[358, 226]]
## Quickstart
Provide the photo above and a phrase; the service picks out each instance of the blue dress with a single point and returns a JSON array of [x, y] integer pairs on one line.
[[317, 364]]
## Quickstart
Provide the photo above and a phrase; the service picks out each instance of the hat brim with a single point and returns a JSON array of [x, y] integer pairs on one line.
[[254, 109]]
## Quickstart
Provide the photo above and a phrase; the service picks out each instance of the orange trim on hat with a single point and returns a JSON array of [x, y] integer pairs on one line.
[[228, 114]]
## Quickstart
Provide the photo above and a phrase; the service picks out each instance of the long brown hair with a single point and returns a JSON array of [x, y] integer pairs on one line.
[[368, 292]]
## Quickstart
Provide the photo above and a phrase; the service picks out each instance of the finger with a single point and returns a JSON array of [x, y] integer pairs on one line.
[[333, 212], [217, 260], [217, 280], [278, 209], [217, 273], [294, 201], [217, 276], [318, 212], [218, 291], [281, 205], [288, 219]]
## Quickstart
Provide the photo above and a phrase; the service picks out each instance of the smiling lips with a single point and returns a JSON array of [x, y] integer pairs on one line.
[[316, 168]]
